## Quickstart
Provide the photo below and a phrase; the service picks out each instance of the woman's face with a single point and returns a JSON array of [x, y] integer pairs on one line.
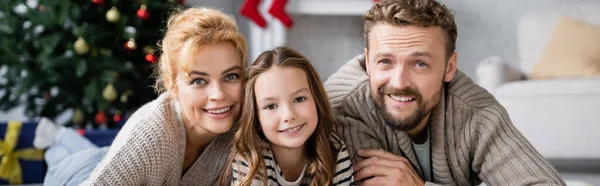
[[210, 91]]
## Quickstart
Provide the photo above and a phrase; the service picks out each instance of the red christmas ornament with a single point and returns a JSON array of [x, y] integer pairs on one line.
[[181, 1], [81, 132], [98, 2], [142, 13], [116, 118], [151, 58], [277, 9], [250, 10], [100, 118]]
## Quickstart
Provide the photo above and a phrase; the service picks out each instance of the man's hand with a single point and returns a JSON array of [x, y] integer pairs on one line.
[[385, 168]]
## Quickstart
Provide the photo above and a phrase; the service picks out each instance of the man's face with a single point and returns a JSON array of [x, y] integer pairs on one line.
[[407, 67]]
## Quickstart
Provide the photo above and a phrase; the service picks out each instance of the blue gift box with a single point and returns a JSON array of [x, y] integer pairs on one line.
[[32, 171], [101, 138]]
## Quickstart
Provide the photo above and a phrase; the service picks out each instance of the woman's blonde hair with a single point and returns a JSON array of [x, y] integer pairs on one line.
[[250, 142], [188, 30]]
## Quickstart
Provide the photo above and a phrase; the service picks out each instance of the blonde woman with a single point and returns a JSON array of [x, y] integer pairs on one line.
[[182, 137]]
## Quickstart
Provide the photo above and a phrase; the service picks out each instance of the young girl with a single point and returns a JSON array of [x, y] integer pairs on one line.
[[285, 135]]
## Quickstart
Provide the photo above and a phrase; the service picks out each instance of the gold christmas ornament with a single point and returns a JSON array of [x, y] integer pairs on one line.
[[123, 98], [113, 15], [81, 47], [109, 93], [77, 117]]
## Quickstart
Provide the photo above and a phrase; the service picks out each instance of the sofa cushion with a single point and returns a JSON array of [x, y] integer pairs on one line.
[[550, 87], [573, 51], [537, 25]]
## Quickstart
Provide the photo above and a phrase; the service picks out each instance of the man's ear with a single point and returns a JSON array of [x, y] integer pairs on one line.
[[450, 68], [366, 60]]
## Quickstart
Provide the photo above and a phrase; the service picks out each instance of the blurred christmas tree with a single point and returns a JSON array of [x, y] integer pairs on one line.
[[94, 57]]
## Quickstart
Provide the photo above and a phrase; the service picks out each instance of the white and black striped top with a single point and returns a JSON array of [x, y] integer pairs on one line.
[[343, 169]]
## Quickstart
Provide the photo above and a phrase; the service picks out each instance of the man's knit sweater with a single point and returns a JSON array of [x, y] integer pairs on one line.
[[149, 150], [472, 137]]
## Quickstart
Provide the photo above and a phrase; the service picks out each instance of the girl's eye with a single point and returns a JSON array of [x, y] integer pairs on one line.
[[199, 81], [299, 99], [270, 107], [421, 64], [232, 77]]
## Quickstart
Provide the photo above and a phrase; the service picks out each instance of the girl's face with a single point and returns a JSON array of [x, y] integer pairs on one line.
[[209, 93], [286, 108]]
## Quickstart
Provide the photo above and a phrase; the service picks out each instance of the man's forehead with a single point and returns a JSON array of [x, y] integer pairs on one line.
[[417, 39]]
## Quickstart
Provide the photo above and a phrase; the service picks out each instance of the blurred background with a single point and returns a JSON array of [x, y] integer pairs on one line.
[[87, 65]]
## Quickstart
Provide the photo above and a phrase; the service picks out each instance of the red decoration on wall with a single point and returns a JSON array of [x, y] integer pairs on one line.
[[250, 10], [278, 11]]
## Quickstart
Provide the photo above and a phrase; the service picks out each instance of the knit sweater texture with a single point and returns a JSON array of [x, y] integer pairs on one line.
[[149, 150], [472, 137]]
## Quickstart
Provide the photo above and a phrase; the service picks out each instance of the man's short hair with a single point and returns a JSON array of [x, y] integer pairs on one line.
[[413, 12]]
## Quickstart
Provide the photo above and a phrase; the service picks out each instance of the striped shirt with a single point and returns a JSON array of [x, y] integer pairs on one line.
[[342, 176]]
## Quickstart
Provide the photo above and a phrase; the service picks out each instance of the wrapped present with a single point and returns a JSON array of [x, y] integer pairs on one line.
[[20, 163], [100, 138]]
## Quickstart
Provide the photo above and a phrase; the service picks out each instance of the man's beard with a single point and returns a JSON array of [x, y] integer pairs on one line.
[[412, 120]]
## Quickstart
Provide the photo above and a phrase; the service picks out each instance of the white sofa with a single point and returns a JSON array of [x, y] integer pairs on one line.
[[560, 117]]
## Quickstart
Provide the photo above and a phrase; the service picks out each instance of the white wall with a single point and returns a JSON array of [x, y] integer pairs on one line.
[[485, 28]]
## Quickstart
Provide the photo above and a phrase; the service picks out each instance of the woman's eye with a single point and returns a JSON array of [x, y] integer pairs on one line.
[[299, 99], [199, 81], [270, 107], [232, 77]]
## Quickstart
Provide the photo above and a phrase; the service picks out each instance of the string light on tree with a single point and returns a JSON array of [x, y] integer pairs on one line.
[[113, 15], [142, 13], [150, 57], [117, 116], [130, 44]]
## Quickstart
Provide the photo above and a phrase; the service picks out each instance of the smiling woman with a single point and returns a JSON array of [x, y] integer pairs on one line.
[[182, 137]]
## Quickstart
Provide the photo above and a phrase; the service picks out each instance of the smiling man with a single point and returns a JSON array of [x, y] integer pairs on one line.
[[409, 117]]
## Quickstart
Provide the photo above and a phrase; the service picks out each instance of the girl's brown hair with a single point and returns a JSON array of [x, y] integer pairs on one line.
[[249, 141]]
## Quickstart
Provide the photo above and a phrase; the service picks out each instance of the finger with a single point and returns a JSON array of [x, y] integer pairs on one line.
[[367, 153], [378, 161], [375, 181], [376, 171]]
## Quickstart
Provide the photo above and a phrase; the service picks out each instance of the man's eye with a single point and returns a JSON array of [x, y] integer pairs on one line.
[[421, 64], [384, 62]]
